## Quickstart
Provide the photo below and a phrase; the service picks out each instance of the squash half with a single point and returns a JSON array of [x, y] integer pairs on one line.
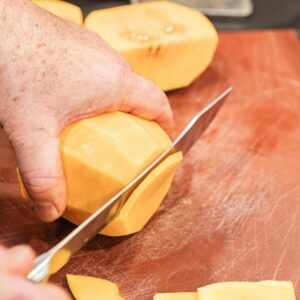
[[168, 43]]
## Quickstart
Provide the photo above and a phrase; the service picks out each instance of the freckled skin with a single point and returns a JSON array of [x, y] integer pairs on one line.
[[52, 73]]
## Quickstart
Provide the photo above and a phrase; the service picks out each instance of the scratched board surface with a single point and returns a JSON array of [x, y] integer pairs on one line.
[[233, 212]]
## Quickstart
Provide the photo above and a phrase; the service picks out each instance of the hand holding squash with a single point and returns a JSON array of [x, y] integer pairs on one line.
[[53, 73]]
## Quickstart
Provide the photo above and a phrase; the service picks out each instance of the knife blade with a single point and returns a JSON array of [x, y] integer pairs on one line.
[[55, 258]]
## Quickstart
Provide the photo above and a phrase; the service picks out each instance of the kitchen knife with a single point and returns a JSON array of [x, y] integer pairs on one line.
[[55, 258]]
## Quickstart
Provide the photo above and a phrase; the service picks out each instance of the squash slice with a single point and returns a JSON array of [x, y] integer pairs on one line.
[[92, 288]]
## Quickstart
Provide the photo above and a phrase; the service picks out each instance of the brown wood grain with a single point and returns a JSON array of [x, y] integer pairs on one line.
[[233, 212]]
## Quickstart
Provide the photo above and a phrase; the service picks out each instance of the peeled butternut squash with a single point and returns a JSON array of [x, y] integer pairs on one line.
[[62, 9], [104, 153], [263, 290], [165, 42], [92, 288]]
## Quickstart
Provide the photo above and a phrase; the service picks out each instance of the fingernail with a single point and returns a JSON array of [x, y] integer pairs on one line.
[[46, 211]]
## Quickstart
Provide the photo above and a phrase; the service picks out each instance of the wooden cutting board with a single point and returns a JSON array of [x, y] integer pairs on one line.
[[233, 212]]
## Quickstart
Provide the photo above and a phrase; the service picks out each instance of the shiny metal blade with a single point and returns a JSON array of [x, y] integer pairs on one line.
[[54, 259]]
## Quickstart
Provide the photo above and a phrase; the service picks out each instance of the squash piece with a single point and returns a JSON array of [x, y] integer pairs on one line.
[[165, 42], [92, 288], [263, 290], [62, 9], [176, 296], [59, 260], [145, 199]]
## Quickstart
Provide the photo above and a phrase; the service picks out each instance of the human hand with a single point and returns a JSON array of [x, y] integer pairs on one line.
[[15, 263], [53, 73]]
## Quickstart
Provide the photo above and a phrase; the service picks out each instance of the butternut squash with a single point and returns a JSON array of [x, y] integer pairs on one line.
[[165, 42], [92, 288], [62, 9], [262, 290], [104, 153]]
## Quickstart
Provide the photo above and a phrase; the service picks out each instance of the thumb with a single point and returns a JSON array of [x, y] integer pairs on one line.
[[141, 97], [39, 161]]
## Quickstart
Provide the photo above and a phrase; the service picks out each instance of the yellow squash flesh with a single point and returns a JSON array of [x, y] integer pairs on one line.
[[145, 199], [92, 288], [263, 290], [62, 9], [165, 42]]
